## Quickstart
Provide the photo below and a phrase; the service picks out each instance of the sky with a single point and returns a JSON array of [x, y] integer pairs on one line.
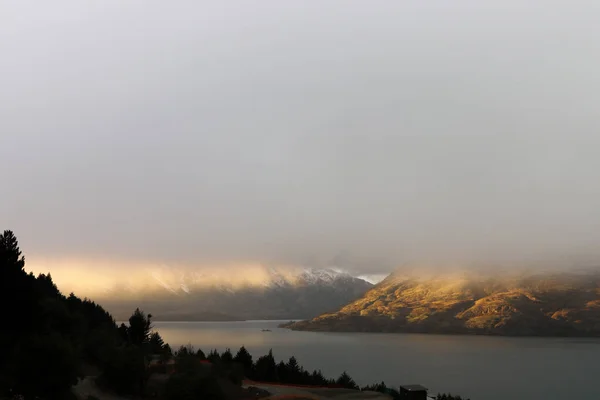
[[360, 135]]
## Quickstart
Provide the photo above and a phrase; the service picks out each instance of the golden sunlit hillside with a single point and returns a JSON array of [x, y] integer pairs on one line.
[[543, 304]]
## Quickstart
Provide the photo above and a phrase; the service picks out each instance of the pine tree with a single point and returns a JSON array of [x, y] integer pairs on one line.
[[200, 354], [317, 378], [139, 327], [266, 368], [346, 381], [293, 370], [214, 357], [245, 359], [156, 343], [11, 260], [227, 357], [282, 372]]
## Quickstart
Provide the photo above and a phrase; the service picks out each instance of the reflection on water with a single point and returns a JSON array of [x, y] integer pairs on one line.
[[483, 368]]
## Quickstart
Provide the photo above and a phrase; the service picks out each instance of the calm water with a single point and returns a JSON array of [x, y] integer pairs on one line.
[[482, 368]]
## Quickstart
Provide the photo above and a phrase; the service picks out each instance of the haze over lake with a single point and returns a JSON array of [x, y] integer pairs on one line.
[[482, 368]]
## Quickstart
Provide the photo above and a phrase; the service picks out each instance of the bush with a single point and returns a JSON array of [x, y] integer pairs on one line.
[[181, 386], [444, 396], [46, 365], [125, 372]]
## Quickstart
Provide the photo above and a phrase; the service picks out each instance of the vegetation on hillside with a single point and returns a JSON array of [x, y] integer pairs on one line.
[[49, 340], [267, 370], [560, 304]]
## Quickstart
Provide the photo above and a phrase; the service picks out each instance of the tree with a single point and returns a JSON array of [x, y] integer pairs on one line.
[[444, 396], [282, 372], [293, 374], [11, 260], [266, 369], [317, 378], [293, 366], [125, 372], [47, 365], [50, 336], [156, 343], [139, 327], [378, 387], [182, 386], [187, 350], [346, 381], [245, 359], [124, 333], [200, 354], [166, 354], [38, 349], [193, 379], [227, 357], [15, 287]]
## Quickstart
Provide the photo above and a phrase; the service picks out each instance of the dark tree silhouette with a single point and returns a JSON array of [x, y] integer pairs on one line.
[[11, 260], [15, 287], [200, 354], [245, 359], [50, 335], [266, 368], [156, 343], [124, 333], [191, 385], [214, 356], [282, 372], [378, 387], [125, 371], [227, 357], [448, 396], [293, 366], [346, 381], [139, 328], [187, 350], [317, 378]]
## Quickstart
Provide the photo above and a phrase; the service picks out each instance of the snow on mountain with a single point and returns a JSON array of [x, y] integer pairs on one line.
[[175, 280], [327, 276], [258, 292]]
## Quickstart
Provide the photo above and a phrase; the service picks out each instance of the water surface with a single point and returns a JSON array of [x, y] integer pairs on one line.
[[482, 368]]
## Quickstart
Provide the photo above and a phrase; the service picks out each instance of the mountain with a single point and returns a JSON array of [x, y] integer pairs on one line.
[[542, 304], [266, 293]]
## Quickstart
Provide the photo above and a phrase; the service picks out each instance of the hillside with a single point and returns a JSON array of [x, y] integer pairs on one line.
[[544, 304], [53, 339], [281, 294]]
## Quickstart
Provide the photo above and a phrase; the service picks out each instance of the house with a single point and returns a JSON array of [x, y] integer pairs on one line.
[[413, 392]]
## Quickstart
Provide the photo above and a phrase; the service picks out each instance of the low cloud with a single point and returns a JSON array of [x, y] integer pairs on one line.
[[291, 135]]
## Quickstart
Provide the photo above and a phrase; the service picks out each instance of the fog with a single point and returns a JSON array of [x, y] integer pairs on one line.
[[360, 135]]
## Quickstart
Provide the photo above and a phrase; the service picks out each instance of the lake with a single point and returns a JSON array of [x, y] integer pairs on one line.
[[482, 368]]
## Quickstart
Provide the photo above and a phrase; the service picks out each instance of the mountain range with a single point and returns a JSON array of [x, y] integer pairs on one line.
[[535, 304], [187, 295]]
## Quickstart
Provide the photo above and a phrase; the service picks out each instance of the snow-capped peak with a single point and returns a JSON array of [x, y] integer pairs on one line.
[[323, 276], [186, 280]]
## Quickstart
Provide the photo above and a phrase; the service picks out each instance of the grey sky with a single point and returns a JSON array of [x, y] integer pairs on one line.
[[362, 134]]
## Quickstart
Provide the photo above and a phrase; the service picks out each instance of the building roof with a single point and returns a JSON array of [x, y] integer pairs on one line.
[[413, 388]]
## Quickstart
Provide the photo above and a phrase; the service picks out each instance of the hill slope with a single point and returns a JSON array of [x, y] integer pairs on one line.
[[283, 294], [548, 304]]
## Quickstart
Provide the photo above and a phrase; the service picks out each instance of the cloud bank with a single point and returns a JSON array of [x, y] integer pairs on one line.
[[350, 134]]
